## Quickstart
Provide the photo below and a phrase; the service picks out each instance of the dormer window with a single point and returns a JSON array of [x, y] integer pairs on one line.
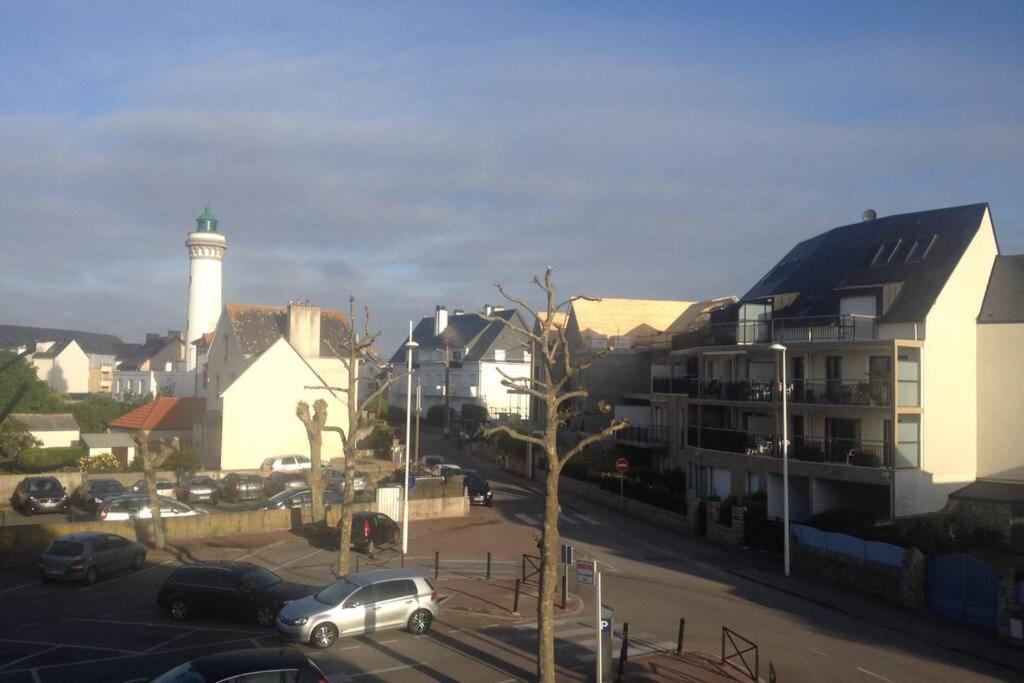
[[919, 250], [885, 252]]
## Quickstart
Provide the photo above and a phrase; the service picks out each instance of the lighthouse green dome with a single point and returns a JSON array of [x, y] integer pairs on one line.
[[206, 222]]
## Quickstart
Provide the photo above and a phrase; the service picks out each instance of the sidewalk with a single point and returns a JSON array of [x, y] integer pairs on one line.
[[691, 666], [496, 598]]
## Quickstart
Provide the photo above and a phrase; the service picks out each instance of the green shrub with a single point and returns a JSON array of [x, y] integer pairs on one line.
[[474, 411], [396, 415], [186, 459], [103, 462], [49, 459], [379, 441], [435, 415]]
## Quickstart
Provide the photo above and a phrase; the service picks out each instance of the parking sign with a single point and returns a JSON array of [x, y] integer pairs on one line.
[[585, 572]]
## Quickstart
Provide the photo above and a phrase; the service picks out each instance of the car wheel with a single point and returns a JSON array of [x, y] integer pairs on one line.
[[213, 500], [323, 635], [179, 608], [90, 576], [137, 561], [420, 621], [370, 548], [265, 615]]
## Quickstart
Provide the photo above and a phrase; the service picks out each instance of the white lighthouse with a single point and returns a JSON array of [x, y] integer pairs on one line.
[[205, 253]]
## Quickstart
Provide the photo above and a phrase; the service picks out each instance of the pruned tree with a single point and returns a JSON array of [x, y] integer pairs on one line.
[[556, 391], [151, 462], [361, 421]]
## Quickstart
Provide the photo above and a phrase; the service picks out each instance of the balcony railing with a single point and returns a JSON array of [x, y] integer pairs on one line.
[[842, 392], [738, 390], [675, 385], [827, 328], [650, 434], [854, 452]]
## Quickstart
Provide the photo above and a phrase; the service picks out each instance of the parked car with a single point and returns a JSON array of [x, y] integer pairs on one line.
[[90, 495], [136, 506], [163, 487], [361, 603], [370, 530], [433, 464], [252, 666], [227, 590], [335, 479], [449, 470], [301, 498], [39, 494], [196, 488], [238, 487], [279, 481], [87, 555], [477, 487], [287, 463]]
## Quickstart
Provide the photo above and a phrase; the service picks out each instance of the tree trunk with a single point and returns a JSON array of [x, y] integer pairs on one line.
[[548, 576], [316, 480], [149, 472], [345, 542]]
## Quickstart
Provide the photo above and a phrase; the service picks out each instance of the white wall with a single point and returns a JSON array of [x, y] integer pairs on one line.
[[205, 290], [1001, 401], [224, 362], [498, 397], [68, 373], [58, 439], [259, 411]]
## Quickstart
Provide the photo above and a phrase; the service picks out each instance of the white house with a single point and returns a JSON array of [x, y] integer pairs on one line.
[[70, 361], [157, 366], [119, 444], [52, 430], [261, 361], [462, 356]]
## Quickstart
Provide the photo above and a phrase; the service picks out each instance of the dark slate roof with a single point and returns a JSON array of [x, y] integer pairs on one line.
[[464, 330], [258, 327], [50, 422], [1004, 298], [134, 355], [995, 491], [12, 336], [841, 258], [54, 350]]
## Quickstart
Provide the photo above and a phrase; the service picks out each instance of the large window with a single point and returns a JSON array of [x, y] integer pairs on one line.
[[885, 252], [908, 369], [908, 441]]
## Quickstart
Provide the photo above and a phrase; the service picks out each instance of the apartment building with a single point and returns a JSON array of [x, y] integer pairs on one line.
[[874, 327], [71, 361], [155, 367]]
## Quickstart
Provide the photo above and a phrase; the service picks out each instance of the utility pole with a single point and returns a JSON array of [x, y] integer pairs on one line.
[[447, 392], [529, 417], [419, 397]]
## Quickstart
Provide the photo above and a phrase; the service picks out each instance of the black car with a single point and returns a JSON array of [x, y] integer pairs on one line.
[[196, 488], [239, 487], [90, 495], [227, 590], [279, 481], [477, 487], [371, 530], [39, 494], [258, 664], [298, 498]]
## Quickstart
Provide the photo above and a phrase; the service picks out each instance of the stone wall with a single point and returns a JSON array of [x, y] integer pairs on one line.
[[901, 585], [733, 533], [985, 514], [666, 519], [1008, 606]]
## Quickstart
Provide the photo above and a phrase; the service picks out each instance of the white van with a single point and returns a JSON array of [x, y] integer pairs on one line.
[[286, 463]]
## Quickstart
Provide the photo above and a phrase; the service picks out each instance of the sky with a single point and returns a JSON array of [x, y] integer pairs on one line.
[[415, 154]]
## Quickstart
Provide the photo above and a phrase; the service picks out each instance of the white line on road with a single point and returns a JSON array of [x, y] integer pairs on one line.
[[591, 520], [350, 647], [177, 637], [298, 559], [567, 519], [260, 550], [55, 645], [388, 670], [107, 582], [255, 643], [35, 676], [24, 585], [881, 678], [387, 642], [162, 625], [528, 519], [30, 656]]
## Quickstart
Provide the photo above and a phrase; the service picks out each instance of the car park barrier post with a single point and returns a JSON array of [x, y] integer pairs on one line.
[[682, 630], [488, 566], [515, 600], [624, 653], [437, 563], [565, 587]]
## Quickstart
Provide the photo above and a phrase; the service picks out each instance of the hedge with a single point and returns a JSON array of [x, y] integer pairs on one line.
[[49, 459]]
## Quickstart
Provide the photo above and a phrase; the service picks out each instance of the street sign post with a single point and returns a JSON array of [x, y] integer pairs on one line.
[[600, 623], [585, 572], [566, 554], [622, 465]]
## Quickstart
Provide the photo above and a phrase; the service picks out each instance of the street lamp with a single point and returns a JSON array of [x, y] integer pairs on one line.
[[785, 461], [409, 346]]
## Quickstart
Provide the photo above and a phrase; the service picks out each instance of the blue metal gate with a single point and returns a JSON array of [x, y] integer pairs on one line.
[[963, 587]]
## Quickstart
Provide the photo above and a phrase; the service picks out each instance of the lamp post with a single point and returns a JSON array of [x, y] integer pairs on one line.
[[785, 461], [409, 346]]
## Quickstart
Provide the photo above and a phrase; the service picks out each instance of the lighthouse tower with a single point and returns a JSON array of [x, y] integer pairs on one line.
[[205, 253]]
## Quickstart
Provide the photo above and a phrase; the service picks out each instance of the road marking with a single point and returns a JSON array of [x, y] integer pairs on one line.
[[528, 519], [881, 678], [24, 585], [35, 676], [298, 559], [387, 642], [255, 643], [29, 656], [177, 637], [350, 647], [259, 550], [567, 519], [388, 670], [576, 632], [107, 582], [162, 625], [590, 520], [56, 645]]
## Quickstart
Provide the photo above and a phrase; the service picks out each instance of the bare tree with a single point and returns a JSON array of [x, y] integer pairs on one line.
[[150, 463], [555, 396], [361, 423]]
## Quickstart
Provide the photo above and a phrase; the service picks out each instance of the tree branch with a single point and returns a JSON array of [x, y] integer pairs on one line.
[[605, 433], [518, 436]]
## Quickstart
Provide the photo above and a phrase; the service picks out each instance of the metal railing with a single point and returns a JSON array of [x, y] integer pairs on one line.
[[739, 650], [738, 390], [855, 452], [823, 328], [643, 434], [683, 384], [849, 392]]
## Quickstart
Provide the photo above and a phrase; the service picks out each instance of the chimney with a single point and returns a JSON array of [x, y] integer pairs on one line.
[[488, 309], [171, 334], [152, 337], [304, 328], [869, 215], [440, 319], [458, 311]]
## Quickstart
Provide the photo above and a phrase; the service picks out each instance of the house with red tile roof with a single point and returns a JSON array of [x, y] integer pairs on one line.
[[166, 417]]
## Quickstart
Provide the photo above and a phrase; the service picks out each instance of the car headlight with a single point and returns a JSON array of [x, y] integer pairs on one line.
[[297, 621]]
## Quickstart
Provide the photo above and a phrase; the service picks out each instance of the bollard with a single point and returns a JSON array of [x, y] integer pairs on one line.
[[488, 566], [524, 567], [437, 562], [682, 629], [515, 601], [624, 653], [403, 560], [565, 585], [357, 563]]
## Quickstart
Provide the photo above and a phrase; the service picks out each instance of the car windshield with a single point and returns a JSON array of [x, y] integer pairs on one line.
[[68, 548], [43, 486], [202, 481], [336, 592], [258, 578], [181, 674], [107, 486], [280, 498]]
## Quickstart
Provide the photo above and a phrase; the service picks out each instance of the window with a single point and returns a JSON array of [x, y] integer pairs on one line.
[[499, 354], [885, 252], [364, 596], [393, 590], [908, 441], [919, 250], [753, 482]]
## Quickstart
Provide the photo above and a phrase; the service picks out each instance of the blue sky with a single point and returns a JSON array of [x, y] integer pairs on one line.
[[418, 153]]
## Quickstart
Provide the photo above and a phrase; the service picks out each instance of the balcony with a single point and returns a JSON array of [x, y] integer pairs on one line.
[[644, 434], [675, 385], [853, 452], [827, 328], [842, 392], [738, 390]]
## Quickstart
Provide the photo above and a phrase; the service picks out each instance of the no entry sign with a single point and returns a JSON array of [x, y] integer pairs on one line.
[[622, 465]]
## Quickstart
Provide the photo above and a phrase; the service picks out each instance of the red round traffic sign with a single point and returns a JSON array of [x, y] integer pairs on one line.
[[622, 465]]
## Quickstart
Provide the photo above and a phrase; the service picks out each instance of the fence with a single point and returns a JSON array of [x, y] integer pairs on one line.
[[884, 553], [739, 648]]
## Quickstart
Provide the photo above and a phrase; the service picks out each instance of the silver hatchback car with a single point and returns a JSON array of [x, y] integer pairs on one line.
[[361, 603]]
